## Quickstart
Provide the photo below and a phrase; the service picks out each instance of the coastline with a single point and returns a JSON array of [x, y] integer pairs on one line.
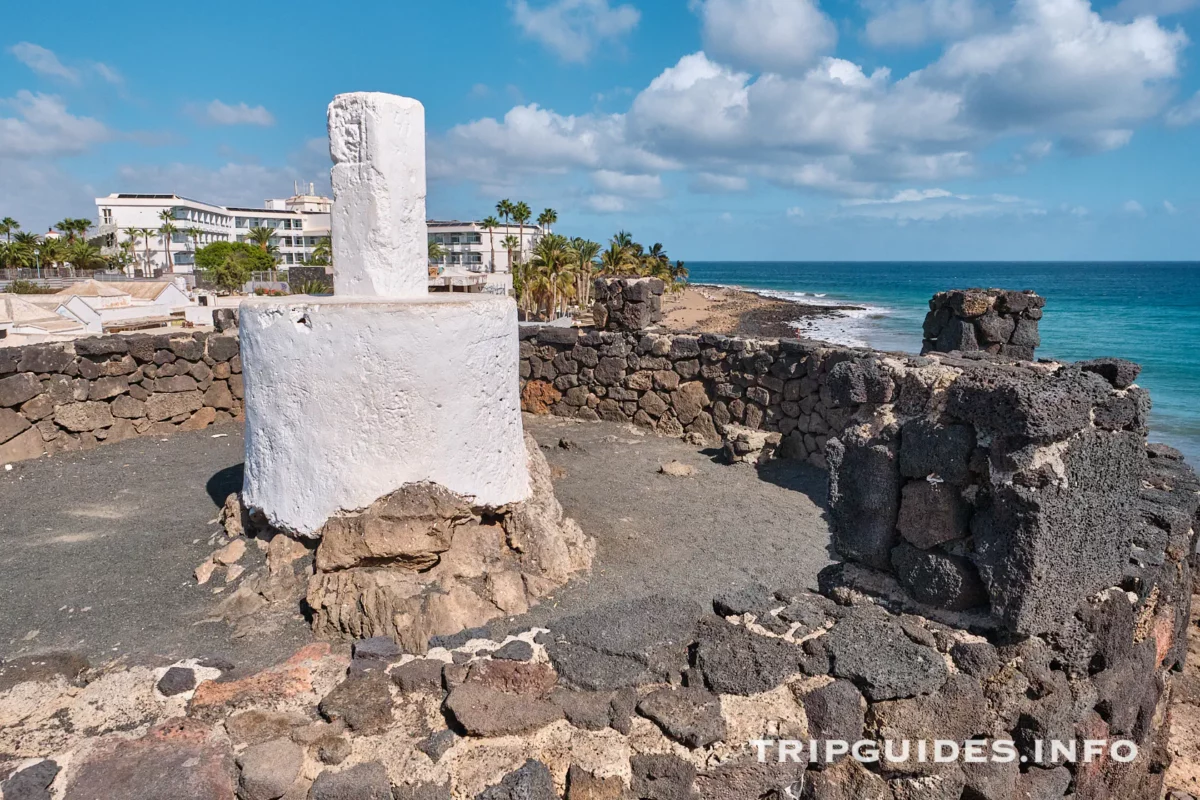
[[734, 311]]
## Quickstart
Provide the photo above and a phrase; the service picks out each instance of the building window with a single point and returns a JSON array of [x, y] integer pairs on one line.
[[241, 222], [106, 216], [183, 259]]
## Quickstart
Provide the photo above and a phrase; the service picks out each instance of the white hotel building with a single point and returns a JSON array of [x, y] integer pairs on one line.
[[300, 222]]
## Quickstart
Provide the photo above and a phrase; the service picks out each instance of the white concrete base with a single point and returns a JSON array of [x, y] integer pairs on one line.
[[347, 399]]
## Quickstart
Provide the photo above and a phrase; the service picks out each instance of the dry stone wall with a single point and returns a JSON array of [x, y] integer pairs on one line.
[[627, 304], [995, 321], [693, 385], [77, 395], [1021, 502]]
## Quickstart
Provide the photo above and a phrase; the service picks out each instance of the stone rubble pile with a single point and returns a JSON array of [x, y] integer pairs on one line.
[[746, 446], [994, 321], [423, 561], [74, 396]]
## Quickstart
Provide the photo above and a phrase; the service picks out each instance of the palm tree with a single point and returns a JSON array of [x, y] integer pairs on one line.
[[490, 224], [552, 260], [322, 254], [521, 214], [679, 276], [83, 256], [9, 226], [128, 254], [261, 236], [436, 252], [547, 218], [52, 252], [194, 234], [166, 231], [505, 208], [133, 235], [145, 234], [511, 243], [66, 227], [585, 254]]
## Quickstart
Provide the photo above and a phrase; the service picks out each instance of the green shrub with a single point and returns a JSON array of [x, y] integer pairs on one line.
[[28, 287]]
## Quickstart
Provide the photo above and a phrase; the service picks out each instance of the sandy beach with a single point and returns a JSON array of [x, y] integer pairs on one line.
[[717, 309]]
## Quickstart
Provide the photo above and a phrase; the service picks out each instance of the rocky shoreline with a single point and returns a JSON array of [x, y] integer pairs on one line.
[[705, 308]]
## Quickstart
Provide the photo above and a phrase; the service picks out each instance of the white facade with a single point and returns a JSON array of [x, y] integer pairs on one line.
[[470, 247], [300, 223]]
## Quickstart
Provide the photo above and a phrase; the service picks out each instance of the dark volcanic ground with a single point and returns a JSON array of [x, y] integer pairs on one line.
[[98, 549]]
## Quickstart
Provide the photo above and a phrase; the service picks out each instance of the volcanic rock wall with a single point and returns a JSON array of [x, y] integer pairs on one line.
[[76, 395], [694, 385], [627, 304], [996, 321], [1021, 502]]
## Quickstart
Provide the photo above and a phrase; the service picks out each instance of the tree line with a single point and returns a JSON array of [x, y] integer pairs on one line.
[[561, 271], [26, 250]]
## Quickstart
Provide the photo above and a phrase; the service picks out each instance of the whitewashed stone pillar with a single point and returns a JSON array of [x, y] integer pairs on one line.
[[377, 142], [350, 397]]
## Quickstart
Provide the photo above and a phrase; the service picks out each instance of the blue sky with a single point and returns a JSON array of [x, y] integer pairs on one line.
[[726, 129]]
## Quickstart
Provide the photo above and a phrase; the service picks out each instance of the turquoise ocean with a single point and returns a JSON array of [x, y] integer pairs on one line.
[[1145, 312]]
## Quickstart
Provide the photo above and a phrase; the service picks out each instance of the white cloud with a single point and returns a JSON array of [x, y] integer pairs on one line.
[[1134, 208], [46, 63], [711, 183], [1054, 73], [915, 22], [218, 113], [573, 28], [795, 212], [766, 35], [530, 139], [108, 73], [1170, 208], [1186, 113], [1093, 142], [239, 184], [930, 205], [625, 185], [43, 61], [43, 127], [606, 203]]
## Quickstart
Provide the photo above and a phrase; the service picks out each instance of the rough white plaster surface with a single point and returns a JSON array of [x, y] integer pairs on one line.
[[347, 399], [380, 244]]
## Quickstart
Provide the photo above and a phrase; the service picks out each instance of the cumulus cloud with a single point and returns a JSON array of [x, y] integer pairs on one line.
[[573, 28], [42, 126], [1053, 73], [1133, 208], [1186, 113], [218, 113], [1170, 208], [914, 22], [766, 35]]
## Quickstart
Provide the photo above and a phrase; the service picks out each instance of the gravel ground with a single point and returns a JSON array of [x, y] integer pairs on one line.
[[687, 538], [97, 552], [97, 549]]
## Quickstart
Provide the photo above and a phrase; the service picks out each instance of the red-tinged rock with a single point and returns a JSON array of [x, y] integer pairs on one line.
[[154, 768], [213, 699]]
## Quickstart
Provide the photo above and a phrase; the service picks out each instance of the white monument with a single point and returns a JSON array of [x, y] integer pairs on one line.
[[350, 397]]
